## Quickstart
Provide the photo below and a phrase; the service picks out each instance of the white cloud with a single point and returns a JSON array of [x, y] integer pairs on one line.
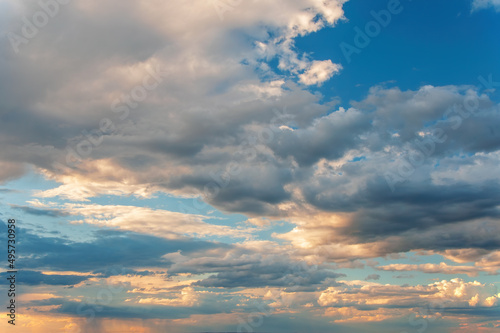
[[319, 72], [475, 294], [443, 294], [158, 222], [482, 4], [188, 297]]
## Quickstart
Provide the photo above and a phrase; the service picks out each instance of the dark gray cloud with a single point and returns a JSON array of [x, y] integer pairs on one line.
[[8, 190], [109, 249], [373, 277], [33, 278], [272, 271], [329, 137], [41, 212], [144, 312]]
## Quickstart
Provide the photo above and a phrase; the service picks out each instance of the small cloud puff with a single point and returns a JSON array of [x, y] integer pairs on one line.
[[319, 72]]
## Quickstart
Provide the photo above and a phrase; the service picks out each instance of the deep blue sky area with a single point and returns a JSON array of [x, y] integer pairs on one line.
[[409, 50]]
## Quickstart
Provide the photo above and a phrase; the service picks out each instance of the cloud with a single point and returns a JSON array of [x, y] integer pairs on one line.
[[284, 167], [157, 222], [372, 277], [253, 267], [199, 74], [404, 276], [319, 72], [455, 294], [41, 212], [29, 277], [464, 255], [483, 4]]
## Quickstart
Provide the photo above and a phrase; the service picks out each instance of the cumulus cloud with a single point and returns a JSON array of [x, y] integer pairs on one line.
[[187, 297], [30, 277], [332, 146], [190, 51], [448, 294], [333, 165], [41, 212], [372, 277], [319, 72], [475, 294]]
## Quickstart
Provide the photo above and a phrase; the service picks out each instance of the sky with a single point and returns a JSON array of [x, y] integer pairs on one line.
[[251, 165]]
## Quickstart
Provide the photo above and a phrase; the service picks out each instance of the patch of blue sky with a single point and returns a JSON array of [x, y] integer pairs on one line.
[[358, 158], [408, 53]]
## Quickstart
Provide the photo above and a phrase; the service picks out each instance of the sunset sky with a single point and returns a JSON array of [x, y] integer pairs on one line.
[[308, 166]]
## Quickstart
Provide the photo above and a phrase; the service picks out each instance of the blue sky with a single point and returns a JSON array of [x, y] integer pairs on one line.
[[428, 42], [194, 166]]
